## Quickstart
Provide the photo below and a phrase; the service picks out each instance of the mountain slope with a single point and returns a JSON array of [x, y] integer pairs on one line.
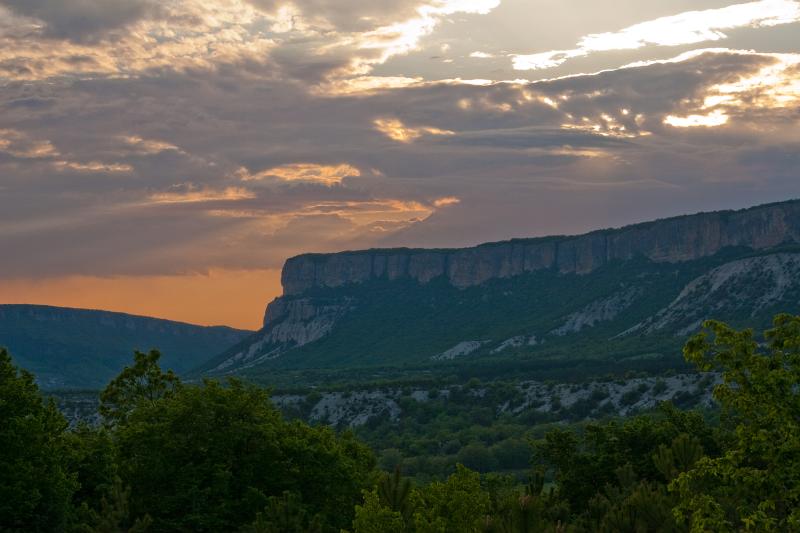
[[80, 348], [622, 295]]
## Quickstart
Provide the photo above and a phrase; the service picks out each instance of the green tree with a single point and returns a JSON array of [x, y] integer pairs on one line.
[[101, 504], [583, 462], [144, 382], [35, 485], [375, 517], [208, 458], [755, 484], [458, 505], [285, 514], [395, 492]]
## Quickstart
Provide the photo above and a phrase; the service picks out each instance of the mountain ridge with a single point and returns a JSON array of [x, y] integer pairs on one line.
[[674, 239], [631, 304], [75, 348]]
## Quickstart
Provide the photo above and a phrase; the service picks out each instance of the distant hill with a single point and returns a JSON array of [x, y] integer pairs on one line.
[[80, 348], [610, 299]]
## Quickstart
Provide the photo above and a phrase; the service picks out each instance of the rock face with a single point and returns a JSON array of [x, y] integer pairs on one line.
[[292, 324], [670, 240], [536, 304]]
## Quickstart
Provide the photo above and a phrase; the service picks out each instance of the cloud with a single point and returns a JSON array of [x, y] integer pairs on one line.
[[690, 27], [715, 118], [180, 35], [328, 175], [82, 20], [148, 146], [191, 194], [397, 131], [447, 200], [92, 166], [522, 159], [19, 144]]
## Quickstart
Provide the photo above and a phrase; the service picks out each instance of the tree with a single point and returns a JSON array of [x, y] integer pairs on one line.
[[375, 517], [285, 514], [210, 457], [755, 484], [101, 504], [144, 382], [35, 486], [458, 505], [395, 492], [587, 461]]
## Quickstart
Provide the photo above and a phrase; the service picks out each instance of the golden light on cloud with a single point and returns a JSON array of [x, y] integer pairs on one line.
[[329, 175], [690, 27], [193, 195], [364, 85], [92, 166], [199, 35], [445, 201], [148, 146], [606, 126], [397, 131], [774, 86], [713, 119], [403, 37], [19, 144]]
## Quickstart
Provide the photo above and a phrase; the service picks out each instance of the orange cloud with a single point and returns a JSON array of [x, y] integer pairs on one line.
[[92, 166], [19, 144], [303, 172], [148, 146], [397, 131], [201, 195], [447, 200]]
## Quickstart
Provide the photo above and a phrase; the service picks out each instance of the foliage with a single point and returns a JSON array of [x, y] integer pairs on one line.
[[208, 458], [35, 484], [583, 462], [220, 457], [454, 506], [376, 517], [755, 484], [142, 382], [285, 514], [395, 492]]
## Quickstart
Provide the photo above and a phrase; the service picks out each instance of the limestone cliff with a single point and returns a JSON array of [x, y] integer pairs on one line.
[[535, 305], [672, 240]]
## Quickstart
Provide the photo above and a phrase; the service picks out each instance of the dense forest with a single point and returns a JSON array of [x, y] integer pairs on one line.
[[219, 456]]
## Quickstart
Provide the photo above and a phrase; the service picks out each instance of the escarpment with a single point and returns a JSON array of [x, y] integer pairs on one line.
[[670, 240]]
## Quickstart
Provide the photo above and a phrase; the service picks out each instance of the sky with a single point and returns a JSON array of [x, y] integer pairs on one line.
[[165, 157]]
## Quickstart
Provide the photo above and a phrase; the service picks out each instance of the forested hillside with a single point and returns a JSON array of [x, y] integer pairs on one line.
[[171, 456], [83, 348]]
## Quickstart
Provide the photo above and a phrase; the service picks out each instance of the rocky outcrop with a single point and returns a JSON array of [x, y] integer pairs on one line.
[[746, 286], [292, 324], [601, 310], [677, 239], [460, 349]]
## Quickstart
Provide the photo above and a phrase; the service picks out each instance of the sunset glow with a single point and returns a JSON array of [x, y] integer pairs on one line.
[[150, 143]]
